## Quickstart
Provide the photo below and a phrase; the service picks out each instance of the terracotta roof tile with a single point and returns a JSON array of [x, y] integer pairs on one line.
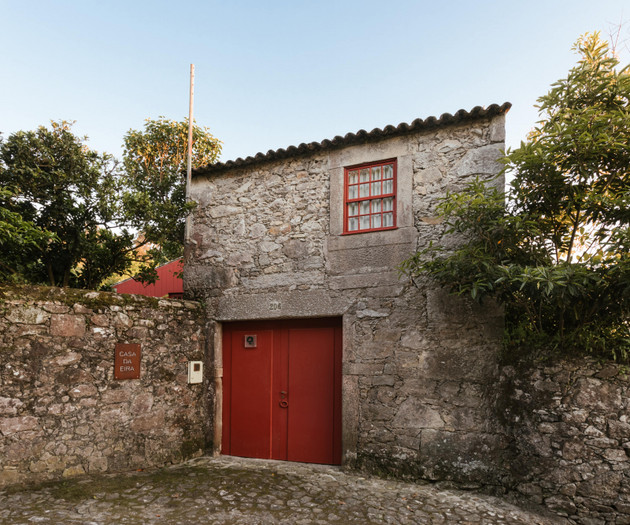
[[359, 137]]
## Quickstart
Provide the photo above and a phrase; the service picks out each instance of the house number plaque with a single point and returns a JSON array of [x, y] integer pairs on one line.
[[127, 361]]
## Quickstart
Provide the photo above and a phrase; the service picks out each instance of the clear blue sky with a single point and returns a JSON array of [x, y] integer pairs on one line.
[[270, 74]]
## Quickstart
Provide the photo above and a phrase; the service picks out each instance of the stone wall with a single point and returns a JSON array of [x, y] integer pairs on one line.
[[570, 431], [62, 413], [269, 244]]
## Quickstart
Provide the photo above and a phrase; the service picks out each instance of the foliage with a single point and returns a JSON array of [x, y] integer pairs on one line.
[[556, 252], [61, 186], [70, 216], [19, 239], [155, 163]]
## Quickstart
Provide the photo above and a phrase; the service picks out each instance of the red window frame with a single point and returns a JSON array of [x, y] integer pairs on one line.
[[353, 196]]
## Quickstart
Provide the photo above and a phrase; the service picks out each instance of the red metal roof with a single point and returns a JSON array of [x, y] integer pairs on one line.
[[168, 284]]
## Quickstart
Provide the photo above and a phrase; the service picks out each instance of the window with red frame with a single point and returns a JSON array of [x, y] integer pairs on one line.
[[370, 197]]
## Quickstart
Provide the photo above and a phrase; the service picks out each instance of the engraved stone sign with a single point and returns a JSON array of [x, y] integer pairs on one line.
[[127, 361]]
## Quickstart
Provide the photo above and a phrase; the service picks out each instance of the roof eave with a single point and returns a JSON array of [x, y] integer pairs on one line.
[[360, 137]]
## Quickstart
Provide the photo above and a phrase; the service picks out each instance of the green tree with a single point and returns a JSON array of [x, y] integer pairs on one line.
[[56, 183], [554, 250], [20, 240], [70, 216], [155, 164]]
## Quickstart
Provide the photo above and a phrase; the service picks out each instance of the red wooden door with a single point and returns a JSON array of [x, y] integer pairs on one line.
[[282, 390]]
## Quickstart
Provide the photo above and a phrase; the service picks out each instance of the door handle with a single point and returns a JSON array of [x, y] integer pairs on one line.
[[283, 399]]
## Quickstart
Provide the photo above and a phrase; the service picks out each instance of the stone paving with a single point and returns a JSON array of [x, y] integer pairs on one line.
[[228, 490]]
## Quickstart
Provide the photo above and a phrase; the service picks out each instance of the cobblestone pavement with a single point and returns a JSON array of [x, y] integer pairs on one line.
[[229, 490]]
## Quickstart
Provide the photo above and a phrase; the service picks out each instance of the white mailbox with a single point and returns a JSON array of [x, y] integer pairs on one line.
[[195, 372]]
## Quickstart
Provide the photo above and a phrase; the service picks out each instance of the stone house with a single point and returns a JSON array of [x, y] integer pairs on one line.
[[320, 351]]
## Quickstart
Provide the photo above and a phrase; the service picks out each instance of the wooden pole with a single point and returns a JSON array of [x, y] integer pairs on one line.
[[189, 159]]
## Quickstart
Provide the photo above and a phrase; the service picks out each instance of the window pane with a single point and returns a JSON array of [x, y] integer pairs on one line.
[[370, 197]]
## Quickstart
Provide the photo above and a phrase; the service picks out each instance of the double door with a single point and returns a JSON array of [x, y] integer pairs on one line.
[[282, 390]]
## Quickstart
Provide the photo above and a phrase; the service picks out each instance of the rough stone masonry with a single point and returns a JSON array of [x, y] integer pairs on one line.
[[63, 413], [423, 394], [269, 244], [569, 423]]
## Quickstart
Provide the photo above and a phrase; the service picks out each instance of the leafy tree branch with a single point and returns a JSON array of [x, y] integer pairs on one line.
[[70, 216], [554, 250]]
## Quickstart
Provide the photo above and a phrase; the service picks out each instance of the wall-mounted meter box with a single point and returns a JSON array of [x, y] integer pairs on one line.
[[195, 372]]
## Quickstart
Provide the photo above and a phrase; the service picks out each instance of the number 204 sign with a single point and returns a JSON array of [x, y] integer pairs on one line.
[[127, 361]]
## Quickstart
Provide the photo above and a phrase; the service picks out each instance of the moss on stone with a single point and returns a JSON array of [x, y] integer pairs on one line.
[[191, 447], [71, 296], [90, 487]]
